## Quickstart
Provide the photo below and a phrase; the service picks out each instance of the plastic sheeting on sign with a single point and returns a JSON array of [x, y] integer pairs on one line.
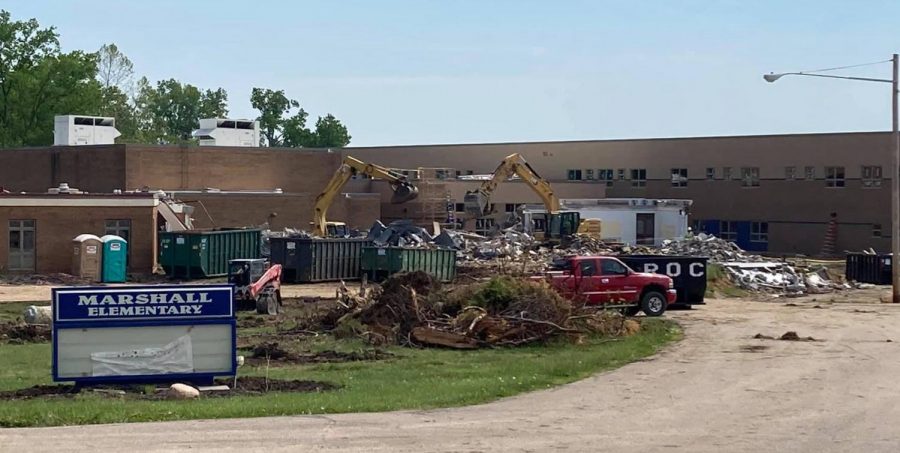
[[175, 357]]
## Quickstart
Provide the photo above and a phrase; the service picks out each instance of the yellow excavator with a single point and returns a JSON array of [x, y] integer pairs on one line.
[[403, 192], [560, 224]]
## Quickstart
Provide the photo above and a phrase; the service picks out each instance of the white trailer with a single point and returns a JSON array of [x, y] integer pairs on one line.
[[633, 221]]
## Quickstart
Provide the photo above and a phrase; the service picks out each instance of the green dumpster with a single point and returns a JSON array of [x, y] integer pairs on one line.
[[205, 253], [378, 263]]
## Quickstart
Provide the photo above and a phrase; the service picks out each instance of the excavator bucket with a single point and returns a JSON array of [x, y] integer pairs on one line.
[[404, 192], [475, 203]]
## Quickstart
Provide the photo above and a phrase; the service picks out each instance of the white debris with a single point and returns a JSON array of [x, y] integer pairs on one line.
[[182, 392]]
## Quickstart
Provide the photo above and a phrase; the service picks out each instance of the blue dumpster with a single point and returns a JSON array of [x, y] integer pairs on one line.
[[115, 253]]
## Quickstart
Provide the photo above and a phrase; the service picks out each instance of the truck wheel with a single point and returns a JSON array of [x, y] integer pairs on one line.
[[653, 303]]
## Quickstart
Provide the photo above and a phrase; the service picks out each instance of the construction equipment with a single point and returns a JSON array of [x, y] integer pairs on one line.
[[257, 284], [560, 224], [403, 190]]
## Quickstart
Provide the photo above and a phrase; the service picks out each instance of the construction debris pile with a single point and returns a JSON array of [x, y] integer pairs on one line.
[[413, 309]]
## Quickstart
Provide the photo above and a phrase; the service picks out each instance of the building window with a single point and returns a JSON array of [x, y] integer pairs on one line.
[[697, 226], [750, 176], [759, 232], [834, 176], [710, 173], [589, 174], [484, 226], [21, 245], [679, 177], [790, 173], [638, 177], [728, 230], [510, 207], [574, 175], [470, 172], [122, 229], [460, 207], [540, 224], [809, 173], [726, 173], [441, 174], [458, 173], [871, 176], [621, 174], [876, 230], [605, 174]]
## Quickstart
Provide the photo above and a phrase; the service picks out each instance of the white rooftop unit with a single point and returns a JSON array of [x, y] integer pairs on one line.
[[73, 130], [227, 132]]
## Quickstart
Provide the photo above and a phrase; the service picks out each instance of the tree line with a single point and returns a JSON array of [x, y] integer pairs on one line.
[[39, 81]]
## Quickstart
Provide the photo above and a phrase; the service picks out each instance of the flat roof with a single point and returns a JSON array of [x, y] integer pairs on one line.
[[78, 200]]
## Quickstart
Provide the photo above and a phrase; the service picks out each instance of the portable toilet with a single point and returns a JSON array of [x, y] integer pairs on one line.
[[115, 253], [86, 252]]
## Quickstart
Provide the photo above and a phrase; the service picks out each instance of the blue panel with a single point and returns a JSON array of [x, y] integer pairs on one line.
[[743, 234], [712, 227], [143, 306], [144, 303]]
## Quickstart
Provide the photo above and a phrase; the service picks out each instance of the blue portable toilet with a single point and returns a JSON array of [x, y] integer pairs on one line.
[[115, 255]]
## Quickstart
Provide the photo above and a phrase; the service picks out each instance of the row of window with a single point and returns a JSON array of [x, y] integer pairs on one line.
[[728, 230], [749, 176], [22, 240]]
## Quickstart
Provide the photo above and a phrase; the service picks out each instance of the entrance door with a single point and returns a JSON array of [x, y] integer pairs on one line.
[[21, 245], [645, 229]]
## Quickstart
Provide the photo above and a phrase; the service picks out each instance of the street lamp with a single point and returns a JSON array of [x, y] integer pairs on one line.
[[895, 170]]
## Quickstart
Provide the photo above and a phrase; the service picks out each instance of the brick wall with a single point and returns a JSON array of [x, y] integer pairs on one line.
[[57, 226]]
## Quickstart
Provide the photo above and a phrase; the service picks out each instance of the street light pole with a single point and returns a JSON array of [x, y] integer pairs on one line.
[[895, 164], [895, 192]]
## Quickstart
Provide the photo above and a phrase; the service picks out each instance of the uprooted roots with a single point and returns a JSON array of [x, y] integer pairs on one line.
[[413, 309]]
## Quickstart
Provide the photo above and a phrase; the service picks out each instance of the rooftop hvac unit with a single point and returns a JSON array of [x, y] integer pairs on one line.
[[226, 132], [74, 130]]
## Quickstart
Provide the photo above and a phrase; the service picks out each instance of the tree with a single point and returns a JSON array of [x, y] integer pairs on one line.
[[168, 112], [279, 127], [330, 133], [37, 81], [114, 69]]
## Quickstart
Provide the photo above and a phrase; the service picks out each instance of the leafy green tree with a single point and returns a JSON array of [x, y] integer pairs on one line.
[[279, 127], [330, 133], [38, 81], [168, 112]]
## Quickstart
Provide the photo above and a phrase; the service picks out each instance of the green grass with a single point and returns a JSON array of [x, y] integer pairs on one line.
[[11, 311], [414, 379]]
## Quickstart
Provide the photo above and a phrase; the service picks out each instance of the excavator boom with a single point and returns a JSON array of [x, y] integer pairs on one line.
[[477, 201], [403, 191]]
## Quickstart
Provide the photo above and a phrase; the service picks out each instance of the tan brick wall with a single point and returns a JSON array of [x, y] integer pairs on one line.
[[229, 168], [57, 226], [92, 168], [291, 210]]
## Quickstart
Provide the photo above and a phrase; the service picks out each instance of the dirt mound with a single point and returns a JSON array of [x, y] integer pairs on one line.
[[44, 279], [792, 336], [274, 352], [17, 332], [37, 391]]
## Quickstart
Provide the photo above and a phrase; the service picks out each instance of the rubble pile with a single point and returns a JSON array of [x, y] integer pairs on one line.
[[400, 233], [413, 309]]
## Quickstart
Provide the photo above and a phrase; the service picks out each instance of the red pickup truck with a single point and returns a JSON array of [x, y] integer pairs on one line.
[[600, 280]]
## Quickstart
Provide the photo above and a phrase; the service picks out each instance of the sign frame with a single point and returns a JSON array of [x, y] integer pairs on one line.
[[227, 318]]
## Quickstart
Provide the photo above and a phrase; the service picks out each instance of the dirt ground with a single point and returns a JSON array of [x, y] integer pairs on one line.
[[720, 389]]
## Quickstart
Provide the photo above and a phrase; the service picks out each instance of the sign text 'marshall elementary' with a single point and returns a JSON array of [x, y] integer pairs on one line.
[[143, 303]]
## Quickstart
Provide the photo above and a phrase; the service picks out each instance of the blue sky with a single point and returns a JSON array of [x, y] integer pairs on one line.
[[417, 72]]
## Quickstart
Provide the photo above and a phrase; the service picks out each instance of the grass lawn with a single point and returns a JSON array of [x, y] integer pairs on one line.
[[412, 379]]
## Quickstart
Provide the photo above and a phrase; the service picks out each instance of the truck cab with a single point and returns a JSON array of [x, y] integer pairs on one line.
[[604, 280]]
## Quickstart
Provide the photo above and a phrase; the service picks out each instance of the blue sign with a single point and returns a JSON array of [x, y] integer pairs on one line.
[[133, 334], [145, 303]]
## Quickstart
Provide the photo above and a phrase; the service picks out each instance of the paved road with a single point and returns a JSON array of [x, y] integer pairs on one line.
[[709, 393]]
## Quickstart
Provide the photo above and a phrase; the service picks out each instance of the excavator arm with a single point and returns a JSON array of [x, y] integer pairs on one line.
[[477, 201], [403, 190]]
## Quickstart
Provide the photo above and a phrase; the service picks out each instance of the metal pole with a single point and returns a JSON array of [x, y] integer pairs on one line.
[[895, 192]]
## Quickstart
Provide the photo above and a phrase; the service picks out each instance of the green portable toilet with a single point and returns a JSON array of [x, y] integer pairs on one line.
[[115, 253]]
